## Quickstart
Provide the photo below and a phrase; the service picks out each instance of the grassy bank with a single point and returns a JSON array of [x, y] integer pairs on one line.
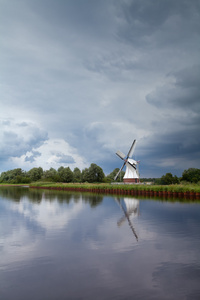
[[176, 188], [179, 190]]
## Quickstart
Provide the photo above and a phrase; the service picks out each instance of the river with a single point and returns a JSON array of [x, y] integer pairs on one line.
[[60, 245]]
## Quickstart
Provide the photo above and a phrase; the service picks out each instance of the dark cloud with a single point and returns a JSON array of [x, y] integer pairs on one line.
[[168, 20], [98, 74], [182, 93]]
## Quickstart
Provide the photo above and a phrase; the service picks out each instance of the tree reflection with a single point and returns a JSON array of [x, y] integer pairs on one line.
[[13, 193], [93, 199], [37, 195]]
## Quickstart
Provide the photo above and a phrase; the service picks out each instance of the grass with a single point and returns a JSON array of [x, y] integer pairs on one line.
[[179, 188]]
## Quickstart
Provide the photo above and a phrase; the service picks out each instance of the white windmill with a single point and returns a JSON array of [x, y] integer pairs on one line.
[[131, 174]]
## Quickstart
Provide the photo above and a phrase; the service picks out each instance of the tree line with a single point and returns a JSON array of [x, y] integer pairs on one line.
[[63, 174], [92, 174], [191, 175]]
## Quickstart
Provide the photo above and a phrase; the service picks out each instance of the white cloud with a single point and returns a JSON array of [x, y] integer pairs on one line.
[[53, 153]]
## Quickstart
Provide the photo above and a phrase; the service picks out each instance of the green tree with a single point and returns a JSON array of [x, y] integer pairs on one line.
[[93, 174], [65, 174], [15, 176], [168, 178], [77, 175], [50, 175], [35, 174], [111, 176], [191, 175], [96, 173], [12, 176], [85, 175]]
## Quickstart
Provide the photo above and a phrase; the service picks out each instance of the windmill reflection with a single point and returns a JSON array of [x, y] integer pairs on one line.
[[130, 207]]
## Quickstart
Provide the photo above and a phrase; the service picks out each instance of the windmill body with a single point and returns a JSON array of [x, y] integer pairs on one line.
[[131, 173]]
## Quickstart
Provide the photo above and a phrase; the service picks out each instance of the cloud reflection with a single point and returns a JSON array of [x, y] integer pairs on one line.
[[75, 239]]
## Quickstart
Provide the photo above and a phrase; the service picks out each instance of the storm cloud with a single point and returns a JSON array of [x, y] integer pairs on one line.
[[82, 79]]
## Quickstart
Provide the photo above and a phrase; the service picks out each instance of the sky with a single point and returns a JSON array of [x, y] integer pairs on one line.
[[80, 80]]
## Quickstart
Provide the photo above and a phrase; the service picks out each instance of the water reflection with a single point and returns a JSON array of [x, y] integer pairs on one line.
[[130, 207], [59, 245]]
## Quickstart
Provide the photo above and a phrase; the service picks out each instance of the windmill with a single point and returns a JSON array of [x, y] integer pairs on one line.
[[131, 174]]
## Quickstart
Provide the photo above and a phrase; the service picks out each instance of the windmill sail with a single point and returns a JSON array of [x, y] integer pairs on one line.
[[130, 153], [120, 154]]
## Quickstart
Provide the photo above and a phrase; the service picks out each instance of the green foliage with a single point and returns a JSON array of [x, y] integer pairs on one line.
[[96, 173], [35, 174], [14, 176], [104, 187], [65, 174], [92, 174], [112, 175], [50, 175], [191, 175], [77, 175], [168, 178]]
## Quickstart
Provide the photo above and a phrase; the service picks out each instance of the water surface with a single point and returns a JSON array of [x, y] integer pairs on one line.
[[59, 245]]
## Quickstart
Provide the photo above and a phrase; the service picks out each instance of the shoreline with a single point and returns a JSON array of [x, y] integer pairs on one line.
[[132, 192], [169, 191]]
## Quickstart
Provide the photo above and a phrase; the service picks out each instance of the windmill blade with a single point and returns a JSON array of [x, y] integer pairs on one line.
[[121, 154], [130, 153], [132, 165], [119, 171]]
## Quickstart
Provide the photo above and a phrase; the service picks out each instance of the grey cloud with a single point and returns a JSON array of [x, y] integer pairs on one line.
[[169, 20], [188, 77], [17, 140], [29, 158], [6, 122], [98, 74], [22, 124], [66, 159], [89, 17], [63, 158], [32, 157], [183, 93], [170, 151]]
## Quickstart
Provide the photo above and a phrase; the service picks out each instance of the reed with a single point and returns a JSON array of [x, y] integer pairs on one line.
[[178, 188]]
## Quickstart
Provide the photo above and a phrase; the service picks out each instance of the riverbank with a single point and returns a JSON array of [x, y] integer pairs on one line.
[[180, 191]]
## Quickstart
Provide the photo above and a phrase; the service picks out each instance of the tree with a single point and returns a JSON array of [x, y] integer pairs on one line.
[[85, 175], [35, 174], [13, 176], [65, 174], [169, 179], [50, 174], [93, 174], [96, 173], [112, 175], [191, 175], [77, 175]]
